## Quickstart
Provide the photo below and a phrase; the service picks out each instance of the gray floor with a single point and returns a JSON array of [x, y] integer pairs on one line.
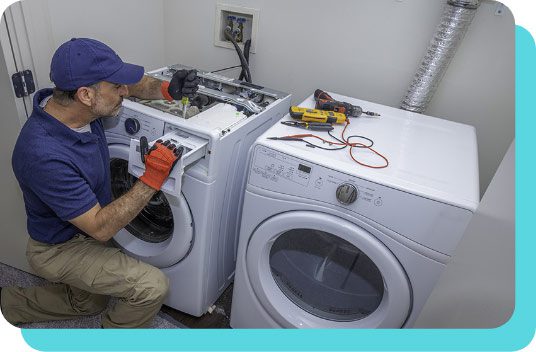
[[12, 277]]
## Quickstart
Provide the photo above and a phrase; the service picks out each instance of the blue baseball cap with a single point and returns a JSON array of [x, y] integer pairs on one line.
[[81, 62]]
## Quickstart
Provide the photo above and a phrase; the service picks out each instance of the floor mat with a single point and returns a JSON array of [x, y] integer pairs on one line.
[[10, 276]]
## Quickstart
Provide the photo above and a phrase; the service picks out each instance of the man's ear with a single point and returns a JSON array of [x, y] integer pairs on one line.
[[86, 95]]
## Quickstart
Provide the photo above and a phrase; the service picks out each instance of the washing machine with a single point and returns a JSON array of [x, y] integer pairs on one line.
[[190, 228], [326, 242]]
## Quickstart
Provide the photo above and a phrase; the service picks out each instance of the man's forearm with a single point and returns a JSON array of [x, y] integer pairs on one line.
[[121, 211], [147, 88]]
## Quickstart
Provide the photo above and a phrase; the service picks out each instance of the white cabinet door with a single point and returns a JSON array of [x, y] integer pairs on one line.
[[13, 234], [25, 37]]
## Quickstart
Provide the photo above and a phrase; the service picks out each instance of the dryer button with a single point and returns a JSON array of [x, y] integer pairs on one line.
[[347, 193]]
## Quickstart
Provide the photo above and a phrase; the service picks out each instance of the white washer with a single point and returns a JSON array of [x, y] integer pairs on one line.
[[327, 243], [192, 234]]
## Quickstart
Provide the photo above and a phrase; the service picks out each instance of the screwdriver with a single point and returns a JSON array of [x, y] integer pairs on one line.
[[313, 126], [185, 105]]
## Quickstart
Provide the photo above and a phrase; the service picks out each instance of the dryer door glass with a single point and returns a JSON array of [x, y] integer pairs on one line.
[[154, 224], [325, 275]]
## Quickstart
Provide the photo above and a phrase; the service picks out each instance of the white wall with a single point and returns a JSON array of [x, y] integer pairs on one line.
[[369, 49], [133, 28], [476, 290]]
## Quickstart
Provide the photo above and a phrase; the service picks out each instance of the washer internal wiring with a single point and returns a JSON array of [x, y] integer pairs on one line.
[[343, 143]]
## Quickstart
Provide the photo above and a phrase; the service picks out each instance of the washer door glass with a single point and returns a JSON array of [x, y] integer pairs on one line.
[[154, 224], [326, 275]]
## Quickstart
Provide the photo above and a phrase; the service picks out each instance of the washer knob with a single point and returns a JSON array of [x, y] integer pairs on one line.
[[347, 193], [132, 126]]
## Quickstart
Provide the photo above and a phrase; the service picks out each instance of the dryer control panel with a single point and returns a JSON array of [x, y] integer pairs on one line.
[[290, 175], [436, 225]]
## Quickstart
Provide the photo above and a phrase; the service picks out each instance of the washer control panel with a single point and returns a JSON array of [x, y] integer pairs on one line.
[[134, 124]]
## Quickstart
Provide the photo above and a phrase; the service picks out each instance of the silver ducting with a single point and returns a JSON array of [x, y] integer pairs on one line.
[[456, 18]]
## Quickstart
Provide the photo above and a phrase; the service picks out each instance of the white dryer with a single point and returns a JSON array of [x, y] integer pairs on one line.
[[191, 231], [328, 243]]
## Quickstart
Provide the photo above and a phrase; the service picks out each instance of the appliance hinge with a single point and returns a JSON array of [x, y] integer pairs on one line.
[[23, 83]]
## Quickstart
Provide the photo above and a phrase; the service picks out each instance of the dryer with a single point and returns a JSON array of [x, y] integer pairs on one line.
[[190, 228], [328, 243]]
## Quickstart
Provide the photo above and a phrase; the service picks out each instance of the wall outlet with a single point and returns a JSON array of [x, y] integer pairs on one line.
[[225, 14]]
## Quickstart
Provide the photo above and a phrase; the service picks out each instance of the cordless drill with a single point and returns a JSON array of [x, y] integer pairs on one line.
[[324, 101]]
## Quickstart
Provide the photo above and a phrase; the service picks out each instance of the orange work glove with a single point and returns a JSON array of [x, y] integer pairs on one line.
[[159, 162]]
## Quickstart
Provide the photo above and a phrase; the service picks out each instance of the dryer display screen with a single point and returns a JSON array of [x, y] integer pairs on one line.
[[304, 168]]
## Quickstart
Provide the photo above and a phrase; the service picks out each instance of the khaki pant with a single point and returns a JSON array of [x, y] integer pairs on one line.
[[85, 273]]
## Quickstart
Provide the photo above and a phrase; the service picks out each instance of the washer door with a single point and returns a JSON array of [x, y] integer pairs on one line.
[[162, 233], [314, 270]]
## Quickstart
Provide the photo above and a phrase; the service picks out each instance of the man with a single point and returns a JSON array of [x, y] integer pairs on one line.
[[61, 161]]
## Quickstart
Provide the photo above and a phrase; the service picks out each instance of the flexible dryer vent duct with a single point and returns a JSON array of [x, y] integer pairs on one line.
[[457, 16]]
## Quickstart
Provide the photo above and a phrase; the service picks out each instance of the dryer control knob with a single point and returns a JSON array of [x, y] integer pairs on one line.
[[347, 193], [132, 126]]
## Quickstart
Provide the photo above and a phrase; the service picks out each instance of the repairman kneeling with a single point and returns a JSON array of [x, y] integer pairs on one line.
[[61, 161]]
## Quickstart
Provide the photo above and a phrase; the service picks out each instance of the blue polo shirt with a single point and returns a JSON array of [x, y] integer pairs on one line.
[[62, 173]]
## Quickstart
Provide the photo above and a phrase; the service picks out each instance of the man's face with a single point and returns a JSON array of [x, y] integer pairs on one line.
[[108, 99]]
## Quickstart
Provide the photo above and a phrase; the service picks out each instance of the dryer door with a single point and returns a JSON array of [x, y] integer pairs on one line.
[[162, 233], [314, 270]]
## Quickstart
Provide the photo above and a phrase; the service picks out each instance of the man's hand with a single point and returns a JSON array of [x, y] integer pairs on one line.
[[103, 223], [183, 84], [159, 162]]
